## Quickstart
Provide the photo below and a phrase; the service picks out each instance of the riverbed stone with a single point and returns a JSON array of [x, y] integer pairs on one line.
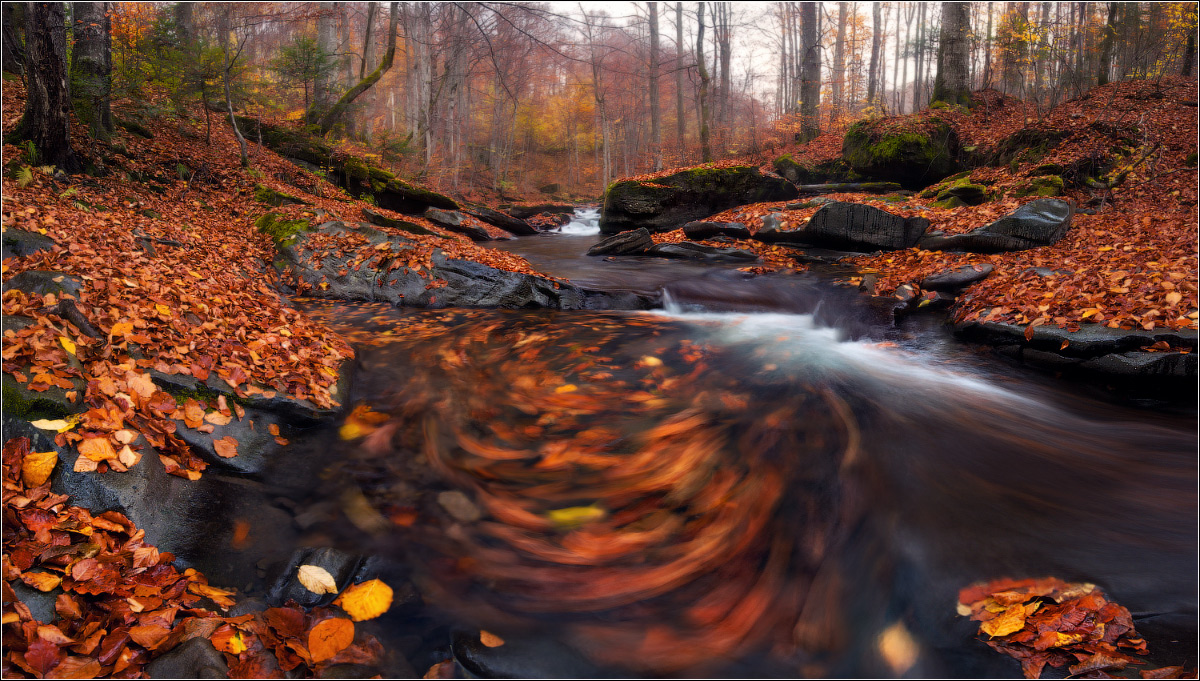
[[504, 221], [466, 283], [666, 203], [633, 242], [701, 229], [956, 278], [859, 227], [686, 250], [1041, 222], [20, 242], [195, 658], [286, 584], [457, 222]]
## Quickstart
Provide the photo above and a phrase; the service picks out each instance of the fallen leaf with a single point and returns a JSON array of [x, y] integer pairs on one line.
[[67, 344], [330, 637], [317, 579], [37, 467], [97, 449], [365, 601], [576, 515], [489, 639], [226, 447]]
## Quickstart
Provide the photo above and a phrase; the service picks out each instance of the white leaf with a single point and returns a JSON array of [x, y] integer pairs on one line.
[[317, 579]]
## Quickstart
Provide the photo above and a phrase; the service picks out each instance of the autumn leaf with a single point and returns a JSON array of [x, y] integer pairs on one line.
[[67, 344], [97, 449], [489, 639], [58, 425], [226, 447], [330, 637], [317, 579], [37, 467], [43, 656], [365, 601], [42, 581], [228, 639], [575, 516]]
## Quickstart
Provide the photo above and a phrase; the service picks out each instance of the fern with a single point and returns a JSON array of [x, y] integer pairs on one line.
[[24, 176], [31, 152]]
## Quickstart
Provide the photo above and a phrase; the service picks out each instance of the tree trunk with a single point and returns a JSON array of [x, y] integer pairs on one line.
[[185, 23], [224, 25], [897, 102], [1189, 54], [724, 35], [365, 84], [702, 97], [680, 121], [655, 108], [1106, 44], [839, 65], [91, 68], [327, 42], [876, 34], [810, 73], [987, 52], [13, 51], [951, 84], [920, 54], [45, 122]]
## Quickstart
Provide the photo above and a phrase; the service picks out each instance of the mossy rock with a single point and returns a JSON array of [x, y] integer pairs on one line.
[[1047, 169], [265, 194], [949, 202], [286, 141], [912, 159], [1190, 161], [1046, 185], [965, 192], [1026, 145], [835, 170], [135, 127], [403, 197], [367, 176], [665, 203], [282, 232]]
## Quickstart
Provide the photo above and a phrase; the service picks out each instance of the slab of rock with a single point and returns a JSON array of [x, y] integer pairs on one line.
[[467, 283], [633, 242], [959, 277], [1038, 223], [376, 218], [19, 242], [41, 282], [456, 222], [701, 230], [686, 250], [504, 221], [665, 203], [858, 227]]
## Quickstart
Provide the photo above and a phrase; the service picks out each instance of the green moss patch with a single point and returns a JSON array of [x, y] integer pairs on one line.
[[271, 197], [1047, 185], [910, 157], [283, 232]]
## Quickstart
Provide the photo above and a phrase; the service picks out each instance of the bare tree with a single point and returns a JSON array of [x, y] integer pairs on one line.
[[45, 122], [655, 109], [876, 34], [702, 97]]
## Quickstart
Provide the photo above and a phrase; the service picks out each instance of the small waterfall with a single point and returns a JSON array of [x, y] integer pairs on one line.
[[586, 221]]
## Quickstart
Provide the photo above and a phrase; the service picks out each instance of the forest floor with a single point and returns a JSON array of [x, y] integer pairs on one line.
[[202, 303]]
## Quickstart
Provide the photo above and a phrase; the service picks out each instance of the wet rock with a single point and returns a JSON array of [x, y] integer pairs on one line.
[[381, 220], [706, 230], [523, 657], [456, 222], [633, 242], [40, 604], [504, 221], [854, 226], [959, 277], [467, 283], [1091, 340], [41, 282], [286, 585], [271, 197], [689, 251], [1038, 223], [525, 212], [459, 506], [296, 412], [19, 242], [1145, 364], [195, 658], [668, 202]]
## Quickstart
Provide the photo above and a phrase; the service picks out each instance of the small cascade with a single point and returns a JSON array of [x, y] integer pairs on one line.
[[585, 222]]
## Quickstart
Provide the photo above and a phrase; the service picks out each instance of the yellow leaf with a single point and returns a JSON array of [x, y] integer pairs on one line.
[[330, 637], [317, 579], [651, 361], [195, 274], [1104, 248], [37, 467], [60, 425], [1012, 620], [365, 601], [576, 515], [67, 344], [1173, 298], [121, 329], [568, 388], [162, 309]]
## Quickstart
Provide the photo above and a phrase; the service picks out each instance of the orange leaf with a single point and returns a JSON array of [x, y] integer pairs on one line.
[[226, 447], [489, 639], [330, 637], [97, 449], [366, 601]]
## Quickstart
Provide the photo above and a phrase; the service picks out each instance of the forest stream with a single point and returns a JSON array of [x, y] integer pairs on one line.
[[710, 491]]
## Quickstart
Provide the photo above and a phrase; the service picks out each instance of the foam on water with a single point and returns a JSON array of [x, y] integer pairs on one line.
[[586, 221]]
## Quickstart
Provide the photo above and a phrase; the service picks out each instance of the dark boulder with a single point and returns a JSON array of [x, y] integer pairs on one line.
[[523, 656], [665, 203], [376, 218], [286, 584], [959, 277], [858, 227], [550, 188], [19, 242], [807, 172], [633, 242], [447, 283], [776, 228], [706, 230], [42, 282], [195, 658], [457, 222], [686, 250], [403, 197], [504, 221], [1038, 223]]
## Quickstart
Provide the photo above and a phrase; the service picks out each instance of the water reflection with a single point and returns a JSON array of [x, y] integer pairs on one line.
[[724, 494]]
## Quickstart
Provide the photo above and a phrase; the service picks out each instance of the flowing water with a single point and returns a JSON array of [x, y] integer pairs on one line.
[[780, 487]]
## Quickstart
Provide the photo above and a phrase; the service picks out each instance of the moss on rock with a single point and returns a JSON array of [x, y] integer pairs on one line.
[[1046, 185], [282, 232], [796, 172], [265, 194], [909, 158]]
